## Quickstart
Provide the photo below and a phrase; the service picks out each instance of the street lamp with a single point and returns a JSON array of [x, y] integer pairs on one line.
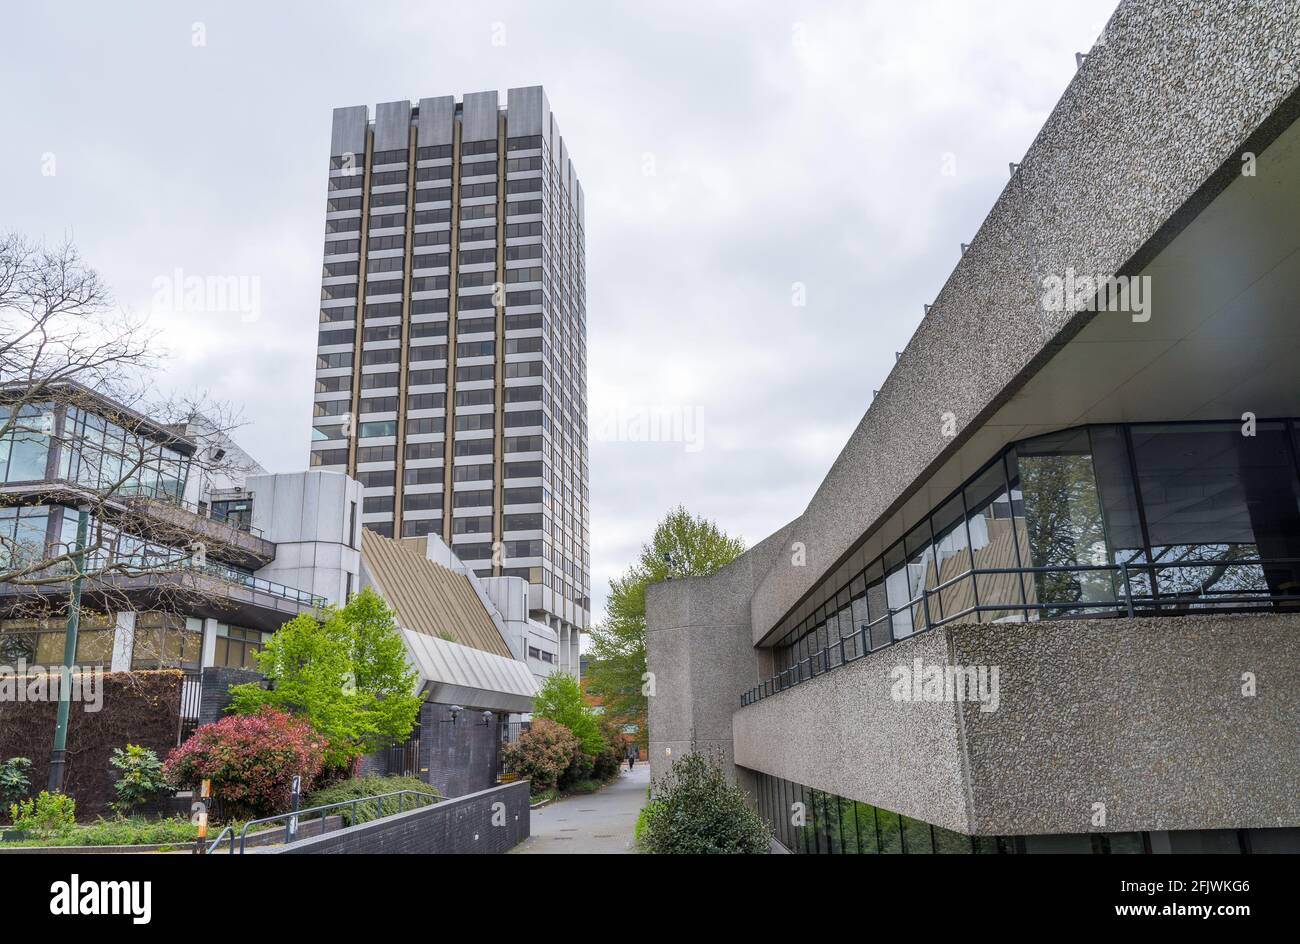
[[58, 756]]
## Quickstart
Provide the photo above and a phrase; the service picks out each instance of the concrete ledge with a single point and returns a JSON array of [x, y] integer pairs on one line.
[[490, 821], [1146, 716]]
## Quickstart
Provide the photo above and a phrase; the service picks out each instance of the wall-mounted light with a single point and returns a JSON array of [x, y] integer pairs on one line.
[[487, 717], [455, 712]]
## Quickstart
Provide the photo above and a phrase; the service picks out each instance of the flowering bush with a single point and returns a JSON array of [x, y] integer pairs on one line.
[[542, 753], [250, 759]]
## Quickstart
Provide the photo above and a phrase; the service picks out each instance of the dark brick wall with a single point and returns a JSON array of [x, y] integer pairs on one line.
[[460, 826], [215, 695], [458, 758]]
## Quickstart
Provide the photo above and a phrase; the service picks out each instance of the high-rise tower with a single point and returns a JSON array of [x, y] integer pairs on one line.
[[451, 371]]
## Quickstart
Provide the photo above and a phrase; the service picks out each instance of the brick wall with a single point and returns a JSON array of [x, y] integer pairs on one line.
[[458, 758], [460, 826], [216, 690]]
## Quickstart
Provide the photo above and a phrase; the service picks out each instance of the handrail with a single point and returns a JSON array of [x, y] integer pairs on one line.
[[178, 501], [1155, 603], [378, 799], [257, 583]]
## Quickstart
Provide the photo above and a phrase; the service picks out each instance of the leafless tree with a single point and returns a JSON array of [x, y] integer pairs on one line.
[[67, 352]]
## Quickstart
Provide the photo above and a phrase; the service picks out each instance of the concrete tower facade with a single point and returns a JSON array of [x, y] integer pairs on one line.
[[451, 374]]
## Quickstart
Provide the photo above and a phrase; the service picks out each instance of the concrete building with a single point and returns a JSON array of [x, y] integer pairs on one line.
[[192, 567], [451, 359], [1046, 597], [203, 554]]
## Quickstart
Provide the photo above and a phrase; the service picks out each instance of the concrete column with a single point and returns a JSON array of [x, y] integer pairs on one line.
[[209, 643], [123, 641]]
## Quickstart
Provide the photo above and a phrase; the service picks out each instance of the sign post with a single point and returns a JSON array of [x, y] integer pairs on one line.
[[199, 816]]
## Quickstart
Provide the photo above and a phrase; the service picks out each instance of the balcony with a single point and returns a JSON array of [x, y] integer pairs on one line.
[[236, 542]]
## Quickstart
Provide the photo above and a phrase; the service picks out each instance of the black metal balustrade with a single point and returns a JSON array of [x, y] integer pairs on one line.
[[231, 575], [1145, 599], [191, 702]]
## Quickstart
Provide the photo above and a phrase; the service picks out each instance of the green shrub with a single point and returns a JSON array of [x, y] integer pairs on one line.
[[560, 699], [120, 831], [142, 776], [638, 831], [610, 758], [14, 784], [580, 768], [542, 754], [697, 810], [584, 786], [47, 816], [358, 787]]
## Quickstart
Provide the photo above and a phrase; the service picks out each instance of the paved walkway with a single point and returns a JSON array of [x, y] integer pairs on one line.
[[597, 823]]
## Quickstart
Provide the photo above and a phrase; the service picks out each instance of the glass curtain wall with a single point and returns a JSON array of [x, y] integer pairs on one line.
[[1070, 524]]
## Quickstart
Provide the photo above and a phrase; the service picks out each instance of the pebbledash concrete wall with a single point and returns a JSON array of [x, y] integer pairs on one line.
[[460, 826], [700, 656], [1147, 132], [1146, 716]]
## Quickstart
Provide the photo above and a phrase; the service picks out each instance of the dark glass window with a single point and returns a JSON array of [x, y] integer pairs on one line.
[[1213, 496]]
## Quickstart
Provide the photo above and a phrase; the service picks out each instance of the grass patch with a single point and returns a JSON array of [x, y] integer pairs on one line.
[[118, 831], [582, 787]]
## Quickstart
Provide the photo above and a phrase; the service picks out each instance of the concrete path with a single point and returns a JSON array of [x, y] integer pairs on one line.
[[597, 823]]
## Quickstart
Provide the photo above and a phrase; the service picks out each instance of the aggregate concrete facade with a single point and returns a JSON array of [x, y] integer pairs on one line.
[[700, 657], [1151, 128], [1146, 716]]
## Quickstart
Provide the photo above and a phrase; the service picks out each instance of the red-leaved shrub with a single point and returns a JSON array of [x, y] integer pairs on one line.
[[542, 753], [250, 759]]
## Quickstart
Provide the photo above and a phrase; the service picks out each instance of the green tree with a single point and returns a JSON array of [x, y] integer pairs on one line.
[[344, 670], [560, 699], [696, 547]]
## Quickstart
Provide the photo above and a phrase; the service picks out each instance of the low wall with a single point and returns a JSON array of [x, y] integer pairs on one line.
[[470, 824]]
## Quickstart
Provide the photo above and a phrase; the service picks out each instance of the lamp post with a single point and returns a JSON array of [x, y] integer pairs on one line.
[[59, 754]]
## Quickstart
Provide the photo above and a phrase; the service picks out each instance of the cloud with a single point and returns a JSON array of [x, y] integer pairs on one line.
[[729, 154]]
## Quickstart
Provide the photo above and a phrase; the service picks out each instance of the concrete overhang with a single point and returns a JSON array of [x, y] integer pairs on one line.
[[1085, 712], [1222, 339], [1138, 171]]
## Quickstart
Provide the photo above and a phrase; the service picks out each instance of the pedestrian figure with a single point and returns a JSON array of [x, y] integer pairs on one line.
[[631, 756]]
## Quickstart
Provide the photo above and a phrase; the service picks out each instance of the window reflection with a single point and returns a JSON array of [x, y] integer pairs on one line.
[[1060, 525]]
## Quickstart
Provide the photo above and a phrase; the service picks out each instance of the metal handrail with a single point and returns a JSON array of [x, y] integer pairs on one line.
[[257, 583], [178, 501], [289, 817], [1157, 603]]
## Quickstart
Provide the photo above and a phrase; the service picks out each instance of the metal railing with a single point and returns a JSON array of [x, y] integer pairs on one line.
[[1148, 600], [230, 575], [142, 493], [293, 820], [191, 702]]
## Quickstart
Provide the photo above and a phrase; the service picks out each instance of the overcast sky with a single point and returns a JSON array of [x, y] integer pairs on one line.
[[735, 160]]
